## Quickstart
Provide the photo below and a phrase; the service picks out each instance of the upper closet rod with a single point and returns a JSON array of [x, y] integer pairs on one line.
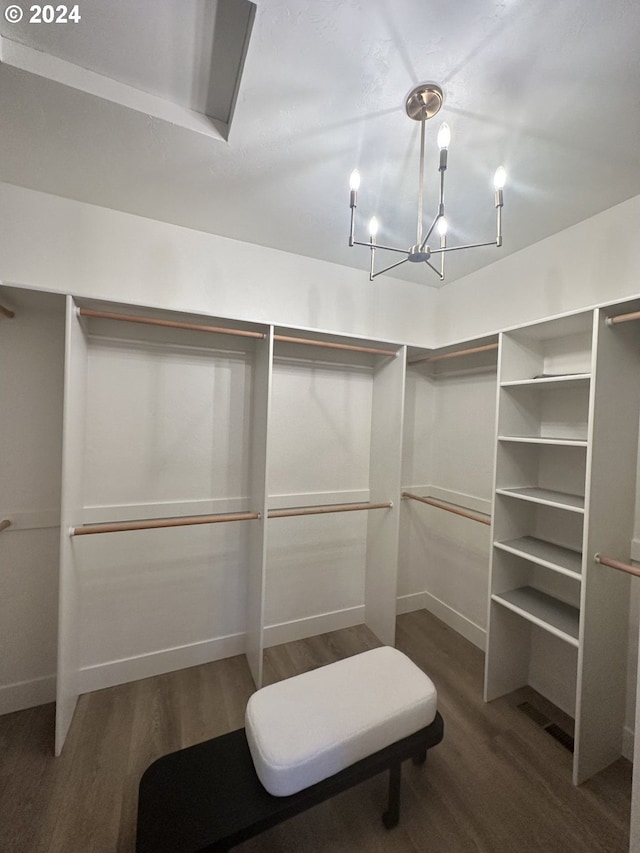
[[170, 324], [623, 318], [287, 339], [7, 312], [455, 353], [317, 510], [449, 507], [4, 524], [152, 524], [242, 333], [617, 564]]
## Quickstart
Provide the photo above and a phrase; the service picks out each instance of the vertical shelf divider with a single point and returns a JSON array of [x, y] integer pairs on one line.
[[75, 389], [261, 405], [609, 522], [383, 527]]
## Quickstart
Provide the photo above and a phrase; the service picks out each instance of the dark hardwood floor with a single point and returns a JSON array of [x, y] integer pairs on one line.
[[497, 783]]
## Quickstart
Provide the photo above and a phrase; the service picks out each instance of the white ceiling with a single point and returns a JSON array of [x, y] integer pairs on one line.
[[551, 89]]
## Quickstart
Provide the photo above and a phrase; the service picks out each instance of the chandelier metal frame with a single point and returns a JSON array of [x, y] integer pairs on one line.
[[421, 104]]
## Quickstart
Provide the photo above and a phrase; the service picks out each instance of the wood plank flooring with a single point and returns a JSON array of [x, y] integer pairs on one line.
[[497, 783]]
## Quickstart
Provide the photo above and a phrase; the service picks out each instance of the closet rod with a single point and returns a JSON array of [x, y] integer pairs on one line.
[[168, 324], [7, 312], [4, 524], [623, 318], [617, 564], [318, 510], [180, 521], [449, 507], [287, 339], [455, 353]]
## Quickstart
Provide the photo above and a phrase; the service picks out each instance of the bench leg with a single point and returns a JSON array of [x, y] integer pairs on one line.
[[420, 758], [392, 815]]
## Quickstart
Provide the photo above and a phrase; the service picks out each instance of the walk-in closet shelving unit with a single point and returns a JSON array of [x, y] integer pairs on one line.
[[448, 459], [165, 503], [165, 420], [564, 488], [335, 439]]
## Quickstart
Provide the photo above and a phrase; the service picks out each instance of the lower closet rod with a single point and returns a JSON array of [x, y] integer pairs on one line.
[[457, 510], [7, 312], [317, 510], [4, 524], [119, 527], [617, 564]]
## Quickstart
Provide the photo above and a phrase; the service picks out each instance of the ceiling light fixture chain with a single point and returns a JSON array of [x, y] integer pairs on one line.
[[421, 104]]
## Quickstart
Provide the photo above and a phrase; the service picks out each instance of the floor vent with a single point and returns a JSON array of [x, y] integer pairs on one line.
[[545, 723], [560, 735]]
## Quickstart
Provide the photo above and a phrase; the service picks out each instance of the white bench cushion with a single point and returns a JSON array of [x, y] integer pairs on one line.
[[304, 729]]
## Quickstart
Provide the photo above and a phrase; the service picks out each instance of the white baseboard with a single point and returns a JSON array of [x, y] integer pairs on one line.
[[462, 624], [411, 602], [27, 694], [156, 663], [627, 743], [311, 626]]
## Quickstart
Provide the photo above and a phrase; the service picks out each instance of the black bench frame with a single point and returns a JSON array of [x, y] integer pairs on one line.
[[207, 798]]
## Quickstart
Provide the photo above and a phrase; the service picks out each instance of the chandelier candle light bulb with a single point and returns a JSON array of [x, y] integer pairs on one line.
[[354, 184], [421, 104], [499, 180], [444, 140]]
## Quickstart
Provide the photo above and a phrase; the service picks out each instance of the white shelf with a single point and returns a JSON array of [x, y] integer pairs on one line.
[[547, 554], [569, 380], [555, 616], [547, 497], [532, 439]]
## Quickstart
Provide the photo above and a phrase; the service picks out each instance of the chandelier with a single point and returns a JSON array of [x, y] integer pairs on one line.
[[421, 104]]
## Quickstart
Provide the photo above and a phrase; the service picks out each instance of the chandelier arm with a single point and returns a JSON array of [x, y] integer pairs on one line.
[[436, 271], [386, 269], [386, 248], [468, 246], [429, 232]]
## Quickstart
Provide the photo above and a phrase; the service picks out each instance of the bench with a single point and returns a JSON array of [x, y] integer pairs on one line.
[[209, 797]]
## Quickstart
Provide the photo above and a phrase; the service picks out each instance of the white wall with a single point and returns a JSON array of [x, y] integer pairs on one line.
[[51, 243], [593, 262]]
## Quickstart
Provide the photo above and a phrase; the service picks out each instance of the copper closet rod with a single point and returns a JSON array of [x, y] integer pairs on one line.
[[449, 507], [220, 330], [153, 523], [455, 353], [4, 524], [7, 312], [183, 521], [623, 318], [168, 324], [318, 510], [617, 564]]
